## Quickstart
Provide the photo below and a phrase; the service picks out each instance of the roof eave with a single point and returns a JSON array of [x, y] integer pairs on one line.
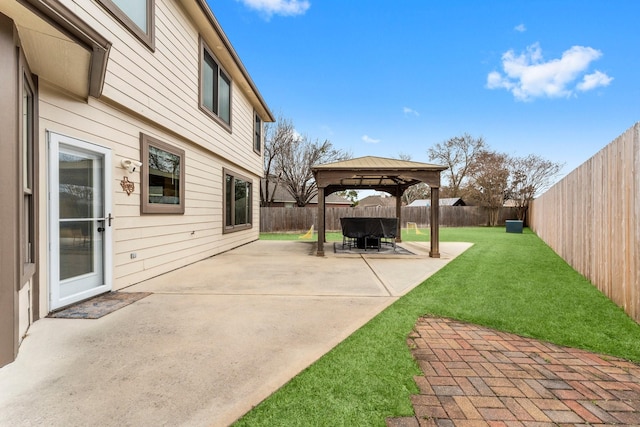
[[65, 21]]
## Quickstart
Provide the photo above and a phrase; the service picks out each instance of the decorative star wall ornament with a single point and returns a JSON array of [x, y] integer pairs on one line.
[[128, 186]]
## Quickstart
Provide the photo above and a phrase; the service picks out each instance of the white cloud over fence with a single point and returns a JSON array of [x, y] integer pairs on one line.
[[529, 76]]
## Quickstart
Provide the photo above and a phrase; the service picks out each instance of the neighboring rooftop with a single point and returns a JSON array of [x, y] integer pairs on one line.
[[283, 196], [377, 201], [447, 201]]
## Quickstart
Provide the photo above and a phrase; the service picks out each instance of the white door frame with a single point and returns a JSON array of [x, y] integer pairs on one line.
[[106, 284]]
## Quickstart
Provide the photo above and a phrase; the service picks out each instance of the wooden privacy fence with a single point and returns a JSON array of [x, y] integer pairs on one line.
[[299, 219], [592, 219]]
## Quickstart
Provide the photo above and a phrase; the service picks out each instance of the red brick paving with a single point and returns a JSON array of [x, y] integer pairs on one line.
[[478, 377]]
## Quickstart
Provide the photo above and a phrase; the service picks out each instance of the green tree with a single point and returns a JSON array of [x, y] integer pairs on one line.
[[352, 195]]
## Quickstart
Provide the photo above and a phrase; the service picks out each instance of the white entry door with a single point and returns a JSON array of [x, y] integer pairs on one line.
[[80, 220]]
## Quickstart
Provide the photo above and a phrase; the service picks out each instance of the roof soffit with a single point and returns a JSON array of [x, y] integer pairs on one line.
[[60, 48]]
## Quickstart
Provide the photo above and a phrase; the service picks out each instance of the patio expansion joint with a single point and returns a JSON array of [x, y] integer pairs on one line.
[[376, 274], [280, 295]]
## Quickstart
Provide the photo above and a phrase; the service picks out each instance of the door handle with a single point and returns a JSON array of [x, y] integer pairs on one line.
[[108, 219]]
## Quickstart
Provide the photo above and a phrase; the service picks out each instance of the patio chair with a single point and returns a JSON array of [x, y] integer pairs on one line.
[[389, 231], [350, 233], [374, 233]]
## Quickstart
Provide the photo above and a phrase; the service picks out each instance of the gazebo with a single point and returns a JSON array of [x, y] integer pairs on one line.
[[381, 174]]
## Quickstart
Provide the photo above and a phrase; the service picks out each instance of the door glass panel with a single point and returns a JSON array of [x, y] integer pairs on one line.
[[76, 249], [76, 187], [80, 212]]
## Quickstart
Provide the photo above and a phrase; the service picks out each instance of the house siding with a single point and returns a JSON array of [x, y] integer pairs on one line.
[[151, 92], [161, 242], [162, 86]]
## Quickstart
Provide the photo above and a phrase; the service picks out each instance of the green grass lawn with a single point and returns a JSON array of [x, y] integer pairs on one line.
[[511, 282]]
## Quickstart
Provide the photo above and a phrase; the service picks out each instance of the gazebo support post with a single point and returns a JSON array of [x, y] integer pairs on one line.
[[321, 223], [435, 223], [399, 192]]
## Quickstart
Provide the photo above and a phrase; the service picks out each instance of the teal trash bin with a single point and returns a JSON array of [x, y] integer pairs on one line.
[[514, 226]]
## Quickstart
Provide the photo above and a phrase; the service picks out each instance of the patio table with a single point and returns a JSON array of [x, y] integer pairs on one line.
[[368, 232]]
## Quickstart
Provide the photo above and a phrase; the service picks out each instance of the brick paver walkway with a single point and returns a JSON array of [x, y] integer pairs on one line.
[[475, 376]]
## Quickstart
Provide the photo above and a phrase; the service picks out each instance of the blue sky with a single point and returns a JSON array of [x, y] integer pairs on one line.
[[555, 78]]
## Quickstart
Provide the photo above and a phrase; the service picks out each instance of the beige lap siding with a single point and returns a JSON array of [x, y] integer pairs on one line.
[[162, 86], [161, 242]]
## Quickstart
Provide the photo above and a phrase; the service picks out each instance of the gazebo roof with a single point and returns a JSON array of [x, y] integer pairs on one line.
[[377, 173], [373, 162]]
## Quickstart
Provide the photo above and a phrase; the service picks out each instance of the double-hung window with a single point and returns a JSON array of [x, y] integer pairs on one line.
[[136, 15], [215, 88], [237, 202], [28, 207], [257, 134]]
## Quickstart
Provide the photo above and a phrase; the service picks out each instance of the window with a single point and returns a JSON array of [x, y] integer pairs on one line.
[[237, 202], [215, 88], [27, 128], [161, 177], [257, 134], [136, 15]]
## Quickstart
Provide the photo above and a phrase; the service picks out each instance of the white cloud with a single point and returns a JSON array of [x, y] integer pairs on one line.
[[528, 76], [408, 111], [592, 81], [520, 28], [278, 7], [327, 129], [369, 140]]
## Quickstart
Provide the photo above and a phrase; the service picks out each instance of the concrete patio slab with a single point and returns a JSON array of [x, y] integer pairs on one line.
[[214, 339]]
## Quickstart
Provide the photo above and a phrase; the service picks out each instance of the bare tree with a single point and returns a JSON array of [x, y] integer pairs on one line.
[[415, 192], [489, 182], [277, 137], [458, 154], [294, 163], [530, 176]]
